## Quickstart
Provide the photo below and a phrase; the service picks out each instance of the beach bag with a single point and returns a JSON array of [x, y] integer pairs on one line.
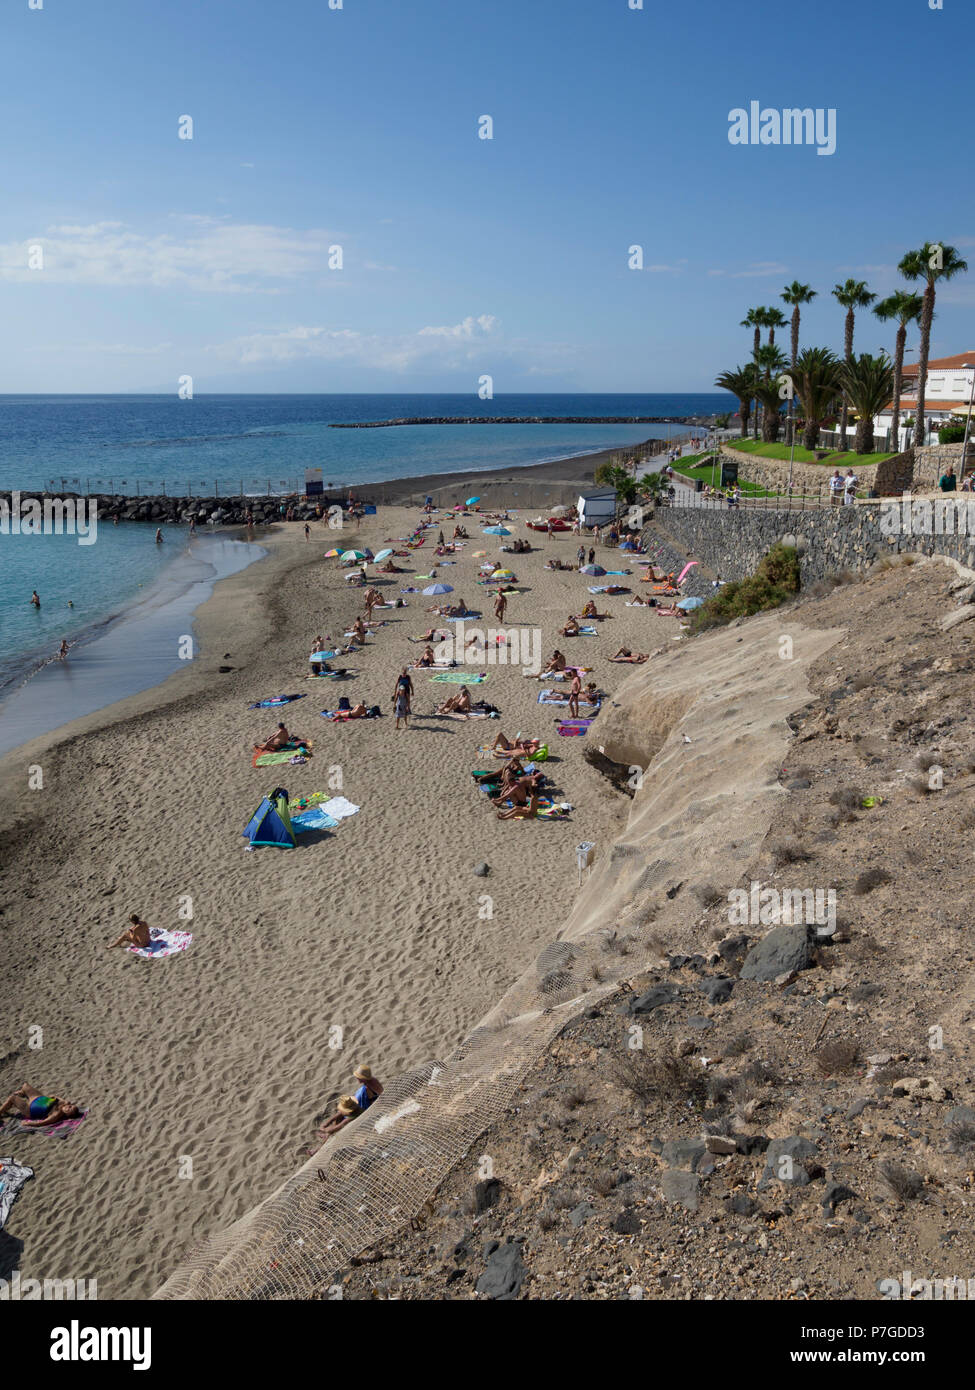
[[374, 713], [344, 704]]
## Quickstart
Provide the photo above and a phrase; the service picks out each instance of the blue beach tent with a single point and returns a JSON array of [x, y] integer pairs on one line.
[[270, 824]]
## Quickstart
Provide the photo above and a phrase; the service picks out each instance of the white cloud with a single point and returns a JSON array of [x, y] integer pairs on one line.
[[759, 268], [209, 255], [476, 342]]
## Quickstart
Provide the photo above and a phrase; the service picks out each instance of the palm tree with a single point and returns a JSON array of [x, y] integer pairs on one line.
[[816, 376], [905, 308], [741, 383], [753, 319], [934, 261], [867, 383], [774, 318], [796, 295], [852, 295], [770, 363]]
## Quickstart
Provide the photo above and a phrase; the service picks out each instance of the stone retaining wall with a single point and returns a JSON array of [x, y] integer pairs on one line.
[[889, 478], [731, 543]]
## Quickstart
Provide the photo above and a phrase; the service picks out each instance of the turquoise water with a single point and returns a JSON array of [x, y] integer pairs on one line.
[[131, 647], [98, 579]]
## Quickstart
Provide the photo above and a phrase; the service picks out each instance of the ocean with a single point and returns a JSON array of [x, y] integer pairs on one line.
[[223, 444], [229, 444]]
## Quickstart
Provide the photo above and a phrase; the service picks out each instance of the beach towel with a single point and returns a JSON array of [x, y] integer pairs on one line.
[[558, 697], [584, 631], [571, 731], [162, 943], [339, 807], [14, 1124], [619, 571], [459, 678], [462, 618], [13, 1176], [275, 700], [283, 755], [303, 803], [315, 818]]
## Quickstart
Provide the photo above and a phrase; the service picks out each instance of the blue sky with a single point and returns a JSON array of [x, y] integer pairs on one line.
[[358, 127]]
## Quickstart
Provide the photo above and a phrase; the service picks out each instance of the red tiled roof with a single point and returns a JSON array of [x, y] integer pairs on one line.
[[930, 406], [937, 363]]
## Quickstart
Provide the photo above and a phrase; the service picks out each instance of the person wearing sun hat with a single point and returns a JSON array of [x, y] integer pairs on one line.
[[346, 1111], [369, 1088]]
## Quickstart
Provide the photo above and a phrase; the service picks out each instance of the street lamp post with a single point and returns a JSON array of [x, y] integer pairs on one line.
[[968, 419]]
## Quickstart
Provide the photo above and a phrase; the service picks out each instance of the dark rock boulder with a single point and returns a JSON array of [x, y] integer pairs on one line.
[[785, 949]]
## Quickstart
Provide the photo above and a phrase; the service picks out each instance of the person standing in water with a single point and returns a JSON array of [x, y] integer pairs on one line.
[[35, 599], [159, 535], [63, 649]]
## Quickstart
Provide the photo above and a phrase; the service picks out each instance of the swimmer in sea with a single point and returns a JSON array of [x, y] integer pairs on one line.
[[35, 599]]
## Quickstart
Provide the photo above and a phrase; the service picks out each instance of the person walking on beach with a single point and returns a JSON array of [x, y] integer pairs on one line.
[[307, 532], [499, 607], [581, 555], [403, 698], [592, 556]]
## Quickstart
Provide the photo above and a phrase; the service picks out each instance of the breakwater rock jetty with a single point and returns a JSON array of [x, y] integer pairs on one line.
[[159, 509], [702, 420]]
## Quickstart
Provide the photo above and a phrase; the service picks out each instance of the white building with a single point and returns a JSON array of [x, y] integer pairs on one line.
[[947, 394]]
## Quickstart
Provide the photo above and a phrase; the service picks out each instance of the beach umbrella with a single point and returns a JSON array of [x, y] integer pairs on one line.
[[383, 554], [592, 569], [495, 531], [332, 554], [688, 603], [502, 574], [322, 656], [439, 589], [471, 500], [352, 557]]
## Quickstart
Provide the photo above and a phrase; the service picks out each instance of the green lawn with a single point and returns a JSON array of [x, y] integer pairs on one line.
[[847, 459], [689, 468]]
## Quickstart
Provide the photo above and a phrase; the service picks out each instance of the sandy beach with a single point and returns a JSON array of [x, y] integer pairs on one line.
[[204, 1071]]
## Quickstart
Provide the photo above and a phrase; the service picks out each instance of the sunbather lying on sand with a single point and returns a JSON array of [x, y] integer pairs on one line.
[[670, 612], [571, 628], [506, 748], [390, 568], [427, 659], [136, 934], [39, 1110], [556, 565], [521, 812], [345, 1112], [457, 704], [624, 654]]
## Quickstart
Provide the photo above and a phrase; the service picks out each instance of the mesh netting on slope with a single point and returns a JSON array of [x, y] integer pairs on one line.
[[376, 1175]]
